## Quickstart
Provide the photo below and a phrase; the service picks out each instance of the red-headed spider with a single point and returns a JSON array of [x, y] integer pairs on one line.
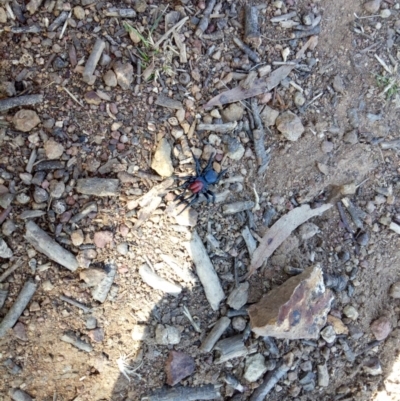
[[198, 184]]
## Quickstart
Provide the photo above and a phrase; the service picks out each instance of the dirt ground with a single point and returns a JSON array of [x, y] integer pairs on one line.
[[125, 126]]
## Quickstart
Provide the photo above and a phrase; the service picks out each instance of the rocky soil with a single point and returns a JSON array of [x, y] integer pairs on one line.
[[286, 287]]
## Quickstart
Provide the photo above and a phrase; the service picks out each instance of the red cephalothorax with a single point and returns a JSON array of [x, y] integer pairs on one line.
[[196, 186]]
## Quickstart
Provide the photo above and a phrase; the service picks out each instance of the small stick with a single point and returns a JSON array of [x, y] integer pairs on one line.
[[100, 292], [72, 339], [221, 128], [251, 29], [190, 318], [26, 29], [10, 11], [18, 307], [11, 270], [284, 17], [27, 100], [207, 392], [75, 303], [72, 96], [93, 60], [203, 24], [249, 240], [246, 49], [272, 378], [214, 335], [236, 207], [158, 283], [259, 136], [305, 34], [58, 21], [65, 25], [316, 21], [176, 27]]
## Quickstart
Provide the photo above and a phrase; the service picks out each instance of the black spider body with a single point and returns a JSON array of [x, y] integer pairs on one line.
[[199, 183]]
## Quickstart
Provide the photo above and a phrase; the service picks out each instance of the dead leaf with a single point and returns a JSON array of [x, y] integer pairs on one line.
[[280, 231]]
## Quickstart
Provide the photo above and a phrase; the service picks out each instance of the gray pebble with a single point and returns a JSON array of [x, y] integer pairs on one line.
[[40, 195], [122, 248], [8, 228], [350, 137], [91, 323]]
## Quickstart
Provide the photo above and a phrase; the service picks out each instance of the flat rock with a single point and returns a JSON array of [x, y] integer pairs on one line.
[[5, 251], [166, 335], [43, 243], [372, 6], [289, 124], [255, 368], [162, 162], [178, 366], [98, 186], [238, 297], [3, 16], [124, 74], [102, 238], [5, 200], [79, 13], [25, 120], [269, 116], [381, 328], [297, 309]]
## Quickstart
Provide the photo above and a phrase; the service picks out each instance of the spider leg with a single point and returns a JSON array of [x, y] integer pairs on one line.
[[194, 200], [197, 163], [212, 195], [208, 167], [219, 176], [207, 196], [181, 196], [185, 200]]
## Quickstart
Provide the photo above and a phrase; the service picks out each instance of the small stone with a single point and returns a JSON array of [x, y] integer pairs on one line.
[[91, 323], [20, 331], [327, 146], [33, 6], [59, 206], [328, 334], [98, 186], [299, 99], [93, 98], [323, 375], [34, 307], [47, 286], [124, 74], [110, 79], [178, 366], [363, 239], [25, 120], [59, 64], [162, 162], [180, 115], [5, 251], [338, 84], [269, 116], [56, 189], [290, 126], [187, 218], [254, 368], [79, 13], [235, 149], [140, 6], [3, 16], [395, 290], [96, 335], [5, 200], [123, 248], [233, 112], [373, 366], [102, 238], [77, 237], [166, 335], [350, 312], [8, 228], [92, 277], [386, 13], [23, 198], [337, 325], [238, 297], [306, 366], [350, 137], [214, 140], [53, 149], [308, 230], [372, 6], [355, 332], [40, 195], [381, 328], [239, 323]]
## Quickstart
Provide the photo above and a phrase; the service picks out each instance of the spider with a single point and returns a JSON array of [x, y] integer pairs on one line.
[[198, 184]]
